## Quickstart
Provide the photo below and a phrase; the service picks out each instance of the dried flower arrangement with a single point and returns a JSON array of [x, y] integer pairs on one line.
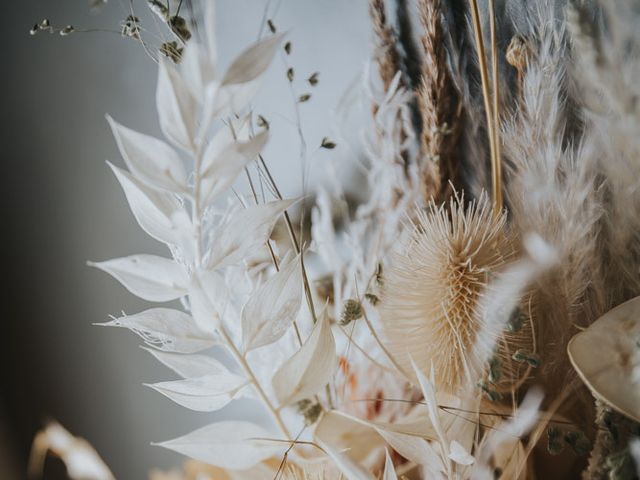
[[457, 334]]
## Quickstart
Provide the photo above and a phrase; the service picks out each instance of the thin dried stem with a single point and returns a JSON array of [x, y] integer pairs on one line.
[[496, 169], [486, 95]]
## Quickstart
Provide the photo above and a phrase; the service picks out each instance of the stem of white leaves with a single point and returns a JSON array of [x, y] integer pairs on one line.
[[252, 378], [197, 223]]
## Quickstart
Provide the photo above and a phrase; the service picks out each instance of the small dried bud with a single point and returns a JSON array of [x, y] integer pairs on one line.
[[328, 144], [262, 122], [179, 27], [309, 410], [372, 299], [516, 320], [304, 97], [555, 442], [45, 24], [68, 30], [313, 79], [287, 48], [524, 356], [159, 9], [352, 311], [290, 74], [271, 26], [578, 441], [131, 27], [34, 29], [518, 53], [378, 275], [172, 51], [495, 370], [488, 392]]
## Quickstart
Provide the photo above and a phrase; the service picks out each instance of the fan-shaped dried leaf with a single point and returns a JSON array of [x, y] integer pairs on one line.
[[272, 307], [202, 394], [310, 368], [150, 159], [176, 107], [613, 375], [153, 278], [229, 444], [159, 214], [167, 330]]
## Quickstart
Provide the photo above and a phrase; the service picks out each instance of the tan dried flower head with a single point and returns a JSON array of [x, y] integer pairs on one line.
[[430, 308]]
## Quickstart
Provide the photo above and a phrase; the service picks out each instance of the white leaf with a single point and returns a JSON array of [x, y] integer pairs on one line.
[[310, 368], [350, 469], [231, 99], [432, 408], [202, 394], [206, 294], [459, 454], [176, 107], [189, 366], [244, 231], [228, 444], [159, 214], [151, 160], [167, 330], [412, 448], [153, 278], [253, 61], [198, 70], [220, 169], [272, 307], [350, 434], [389, 470]]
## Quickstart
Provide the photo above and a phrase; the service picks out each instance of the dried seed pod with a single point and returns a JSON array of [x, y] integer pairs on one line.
[[613, 376]]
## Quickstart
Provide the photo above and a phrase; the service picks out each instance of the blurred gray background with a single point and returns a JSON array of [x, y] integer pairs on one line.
[[64, 207]]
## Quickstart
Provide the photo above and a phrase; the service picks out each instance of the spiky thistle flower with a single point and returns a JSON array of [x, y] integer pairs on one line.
[[431, 308]]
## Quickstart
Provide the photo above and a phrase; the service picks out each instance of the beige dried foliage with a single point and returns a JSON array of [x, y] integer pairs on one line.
[[388, 58]]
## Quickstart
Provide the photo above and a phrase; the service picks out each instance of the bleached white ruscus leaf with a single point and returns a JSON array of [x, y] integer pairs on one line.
[[310, 368], [389, 471], [150, 159], [236, 445], [413, 448], [160, 214], [80, 458], [244, 231], [153, 278], [433, 410], [207, 393], [207, 294], [176, 106], [167, 330], [272, 307], [189, 366], [241, 81], [220, 168], [350, 469], [459, 454], [198, 70], [253, 61]]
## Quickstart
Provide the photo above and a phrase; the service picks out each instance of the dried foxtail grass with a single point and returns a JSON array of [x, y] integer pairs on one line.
[[431, 308], [439, 106], [389, 60]]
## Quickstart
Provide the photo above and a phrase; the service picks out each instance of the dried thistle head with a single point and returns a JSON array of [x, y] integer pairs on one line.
[[431, 301]]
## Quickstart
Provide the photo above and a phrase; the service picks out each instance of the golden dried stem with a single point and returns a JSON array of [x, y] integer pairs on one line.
[[486, 94], [496, 168]]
